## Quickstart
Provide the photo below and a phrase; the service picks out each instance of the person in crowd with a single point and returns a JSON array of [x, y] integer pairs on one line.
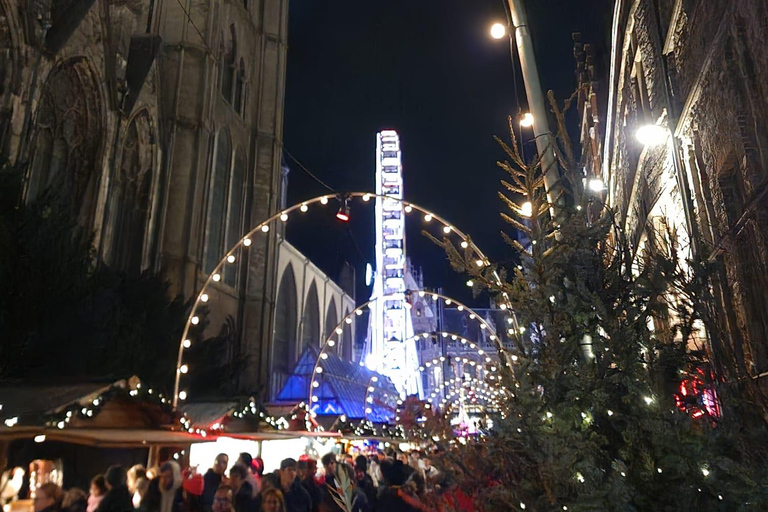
[[75, 500], [364, 480], [257, 468], [117, 498], [142, 487], [296, 498], [306, 470], [136, 472], [48, 498], [272, 501], [192, 492], [394, 494], [97, 491], [222, 499], [169, 485], [245, 460], [242, 490], [213, 479], [331, 484]]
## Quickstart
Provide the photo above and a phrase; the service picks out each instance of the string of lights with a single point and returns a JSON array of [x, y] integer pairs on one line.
[[203, 296]]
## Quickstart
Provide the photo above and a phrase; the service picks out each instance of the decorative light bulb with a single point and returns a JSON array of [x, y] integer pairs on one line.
[[323, 200], [216, 277], [195, 320], [187, 343], [428, 217], [184, 368], [283, 217], [408, 208], [366, 197], [303, 208], [264, 228], [247, 242], [182, 395], [447, 229], [204, 297], [231, 258]]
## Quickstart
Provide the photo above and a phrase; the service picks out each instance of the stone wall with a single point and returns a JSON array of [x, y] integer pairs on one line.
[[705, 70], [148, 180]]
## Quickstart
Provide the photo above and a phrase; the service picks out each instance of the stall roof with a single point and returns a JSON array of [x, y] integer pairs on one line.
[[342, 389], [134, 438], [204, 414], [40, 399]]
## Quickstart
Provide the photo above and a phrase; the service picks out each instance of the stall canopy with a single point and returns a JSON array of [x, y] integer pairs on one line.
[[117, 413], [344, 389]]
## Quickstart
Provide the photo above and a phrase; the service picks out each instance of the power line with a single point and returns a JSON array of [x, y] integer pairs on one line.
[[192, 22], [303, 168]]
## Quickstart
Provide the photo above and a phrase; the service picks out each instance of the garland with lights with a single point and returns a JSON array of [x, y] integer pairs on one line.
[[469, 249]]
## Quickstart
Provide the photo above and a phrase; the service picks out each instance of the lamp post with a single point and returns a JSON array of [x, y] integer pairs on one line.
[[545, 141]]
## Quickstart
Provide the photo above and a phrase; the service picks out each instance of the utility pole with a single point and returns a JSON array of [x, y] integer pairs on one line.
[[545, 140]]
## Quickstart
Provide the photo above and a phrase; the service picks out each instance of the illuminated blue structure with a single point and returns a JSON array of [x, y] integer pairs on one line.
[[346, 389]]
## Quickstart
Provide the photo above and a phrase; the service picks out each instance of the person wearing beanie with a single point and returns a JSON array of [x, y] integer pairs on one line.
[[364, 480], [296, 498]]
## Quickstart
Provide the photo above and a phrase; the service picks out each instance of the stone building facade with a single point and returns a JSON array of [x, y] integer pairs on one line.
[[161, 120], [698, 69]]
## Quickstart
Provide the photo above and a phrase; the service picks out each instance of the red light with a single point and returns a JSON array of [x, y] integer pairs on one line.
[[342, 216]]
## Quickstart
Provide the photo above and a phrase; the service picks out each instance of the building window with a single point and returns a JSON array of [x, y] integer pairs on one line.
[[235, 212], [217, 203], [239, 104], [68, 137], [228, 66], [132, 197]]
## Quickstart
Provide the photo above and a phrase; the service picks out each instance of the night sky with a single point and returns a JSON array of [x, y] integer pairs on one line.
[[428, 69]]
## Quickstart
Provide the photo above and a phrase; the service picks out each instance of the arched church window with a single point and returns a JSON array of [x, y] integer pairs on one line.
[[310, 321], [68, 132], [228, 66], [284, 343], [239, 104], [235, 212], [217, 202], [132, 197]]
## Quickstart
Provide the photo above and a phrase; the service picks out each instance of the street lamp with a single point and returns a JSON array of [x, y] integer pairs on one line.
[[651, 135], [498, 31], [527, 120]]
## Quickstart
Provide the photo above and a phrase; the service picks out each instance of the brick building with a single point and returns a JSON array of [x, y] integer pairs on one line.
[[162, 121], [699, 70]]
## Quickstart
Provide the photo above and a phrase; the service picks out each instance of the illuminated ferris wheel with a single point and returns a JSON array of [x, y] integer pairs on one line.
[[390, 347]]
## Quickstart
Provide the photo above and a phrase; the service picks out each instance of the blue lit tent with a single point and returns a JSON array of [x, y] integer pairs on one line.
[[342, 389]]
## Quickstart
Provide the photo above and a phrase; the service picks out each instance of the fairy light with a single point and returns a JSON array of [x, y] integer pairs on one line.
[[304, 207], [204, 297]]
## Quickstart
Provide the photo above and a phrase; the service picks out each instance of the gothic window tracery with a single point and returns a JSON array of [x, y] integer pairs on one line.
[[229, 66], [133, 196], [68, 132], [217, 202], [235, 211]]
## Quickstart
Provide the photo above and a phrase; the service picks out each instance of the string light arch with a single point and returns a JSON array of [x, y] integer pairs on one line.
[[330, 343], [231, 256]]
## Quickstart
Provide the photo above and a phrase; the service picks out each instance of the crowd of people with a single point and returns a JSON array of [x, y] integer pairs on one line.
[[347, 483]]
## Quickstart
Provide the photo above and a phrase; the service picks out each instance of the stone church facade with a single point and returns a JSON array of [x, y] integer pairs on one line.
[[699, 69], [161, 120]]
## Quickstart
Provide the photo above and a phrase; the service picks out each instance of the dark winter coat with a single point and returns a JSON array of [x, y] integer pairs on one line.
[[244, 500], [211, 482], [367, 487], [297, 499], [117, 499], [314, 492]]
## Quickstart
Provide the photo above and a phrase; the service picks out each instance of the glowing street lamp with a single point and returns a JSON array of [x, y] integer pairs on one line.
[[651, 135], [527, 120], [596, 185], [498, 31]]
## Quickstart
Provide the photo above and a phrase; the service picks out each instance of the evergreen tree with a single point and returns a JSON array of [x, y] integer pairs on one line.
[[608, 331]]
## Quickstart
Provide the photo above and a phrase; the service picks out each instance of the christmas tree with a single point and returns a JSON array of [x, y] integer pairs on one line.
[[610, 401]]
